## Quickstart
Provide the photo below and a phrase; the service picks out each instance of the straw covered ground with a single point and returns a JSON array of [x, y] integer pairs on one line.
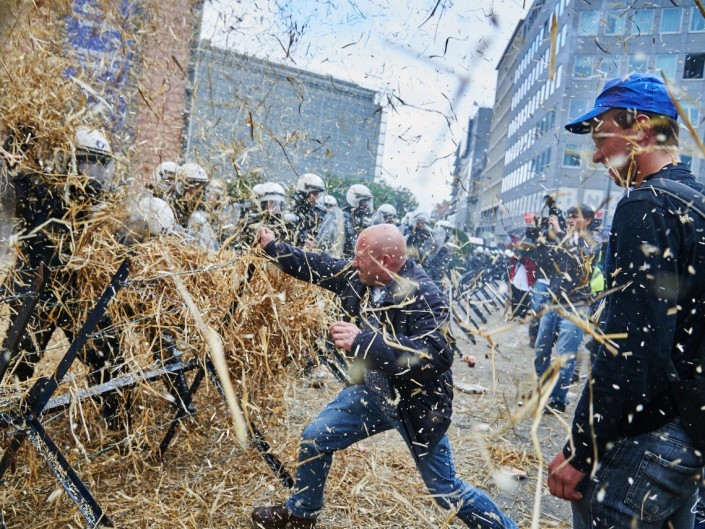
[[267, 323]]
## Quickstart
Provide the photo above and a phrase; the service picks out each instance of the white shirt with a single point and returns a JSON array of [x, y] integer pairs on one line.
[[520, 279]]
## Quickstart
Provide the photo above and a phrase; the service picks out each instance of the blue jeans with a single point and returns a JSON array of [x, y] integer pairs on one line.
[[539, 297], [353, 416], [569, 338], [643, 482], [700, 509]]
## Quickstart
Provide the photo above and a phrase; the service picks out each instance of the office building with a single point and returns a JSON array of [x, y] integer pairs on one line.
[[537, 96], [469, 163], [252, 115]]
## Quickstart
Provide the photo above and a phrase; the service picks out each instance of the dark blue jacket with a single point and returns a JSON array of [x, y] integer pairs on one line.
[[564, 262], [414, 348], [656, 262]]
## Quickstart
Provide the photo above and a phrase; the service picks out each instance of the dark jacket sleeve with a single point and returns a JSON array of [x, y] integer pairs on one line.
[[419, 350], [318, 268], [642, 309]]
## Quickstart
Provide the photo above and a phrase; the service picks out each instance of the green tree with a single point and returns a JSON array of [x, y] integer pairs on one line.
[[399, 197]]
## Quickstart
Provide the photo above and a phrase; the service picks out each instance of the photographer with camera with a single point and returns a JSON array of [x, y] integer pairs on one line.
[[539, 289], [564, 257]]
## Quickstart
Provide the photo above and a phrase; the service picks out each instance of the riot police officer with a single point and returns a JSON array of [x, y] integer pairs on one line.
[[309, 214], [49, 210], [357, 214]]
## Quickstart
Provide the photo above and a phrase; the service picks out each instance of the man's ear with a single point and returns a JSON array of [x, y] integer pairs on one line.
[[642, 124]]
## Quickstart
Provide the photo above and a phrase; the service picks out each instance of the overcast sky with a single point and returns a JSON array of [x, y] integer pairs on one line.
[[437, 57]]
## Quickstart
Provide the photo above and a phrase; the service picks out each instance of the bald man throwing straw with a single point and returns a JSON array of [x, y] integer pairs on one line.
[[397, 330]]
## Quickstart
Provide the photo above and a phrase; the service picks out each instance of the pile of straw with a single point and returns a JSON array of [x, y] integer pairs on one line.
[[41, 104], [267, 322]]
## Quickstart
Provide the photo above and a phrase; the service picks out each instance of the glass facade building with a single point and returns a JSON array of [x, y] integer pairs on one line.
[[590, 43]]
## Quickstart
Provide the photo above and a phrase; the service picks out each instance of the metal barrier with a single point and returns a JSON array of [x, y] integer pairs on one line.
[[24, 413], [475, 296]]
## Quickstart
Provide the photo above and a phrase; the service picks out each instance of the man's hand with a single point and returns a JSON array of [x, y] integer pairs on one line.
[[343, 334], [554, 224], [264, 236], [563, 478]]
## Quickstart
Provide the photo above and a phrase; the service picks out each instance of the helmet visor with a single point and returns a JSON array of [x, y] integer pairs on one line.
[[365, 203], [96, 167], [271, 207]]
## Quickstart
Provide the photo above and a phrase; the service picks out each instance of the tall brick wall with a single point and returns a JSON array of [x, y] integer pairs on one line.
[[164, 82]]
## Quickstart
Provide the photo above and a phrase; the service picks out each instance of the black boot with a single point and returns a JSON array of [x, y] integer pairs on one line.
[[279, 517]]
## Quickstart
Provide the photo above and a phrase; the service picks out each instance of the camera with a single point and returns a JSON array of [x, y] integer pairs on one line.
[[540, 227]]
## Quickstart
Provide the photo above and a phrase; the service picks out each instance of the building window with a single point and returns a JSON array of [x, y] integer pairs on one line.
[[615, 24], [583, 66], [587, 23], [577, 107], [642, 22], [666, 64], [608, 66], [564, 35], [637, 63], [697, 21], [571, 155], [691, 112], [694, 65], [671, 20]]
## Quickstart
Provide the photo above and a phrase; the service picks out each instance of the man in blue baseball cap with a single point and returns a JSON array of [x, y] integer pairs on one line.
[[633, 459]]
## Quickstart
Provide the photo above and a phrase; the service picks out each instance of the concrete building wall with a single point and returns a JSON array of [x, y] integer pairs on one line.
[[459, 187], [469, 164], [481, 128], [256, 116], [490, 181]]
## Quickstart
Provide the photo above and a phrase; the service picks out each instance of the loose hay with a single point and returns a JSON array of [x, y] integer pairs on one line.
[[266, 320]]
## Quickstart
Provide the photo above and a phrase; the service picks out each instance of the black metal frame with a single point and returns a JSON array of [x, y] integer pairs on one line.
[[14, 333], [27, 412], [26, 420], [470, 296]]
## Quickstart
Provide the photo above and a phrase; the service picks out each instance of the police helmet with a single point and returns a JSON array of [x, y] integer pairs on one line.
[[359, 195], [310, 183]]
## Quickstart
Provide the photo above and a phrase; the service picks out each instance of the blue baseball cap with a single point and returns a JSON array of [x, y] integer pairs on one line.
[[641, 91]]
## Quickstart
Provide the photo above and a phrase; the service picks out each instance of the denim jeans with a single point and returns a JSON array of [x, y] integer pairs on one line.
[[354, 416], [643, 482], [539, 297], [569, 338], [700, 509]]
